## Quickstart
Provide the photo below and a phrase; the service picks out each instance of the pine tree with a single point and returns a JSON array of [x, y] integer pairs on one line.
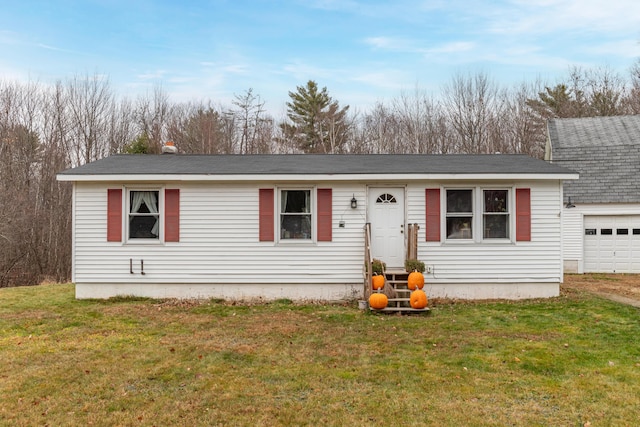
[[318, 124]]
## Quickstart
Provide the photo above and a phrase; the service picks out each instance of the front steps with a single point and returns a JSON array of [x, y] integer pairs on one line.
[[397, 279]]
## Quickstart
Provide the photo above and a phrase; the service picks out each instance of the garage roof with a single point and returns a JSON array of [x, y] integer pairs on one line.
[[605, 151]]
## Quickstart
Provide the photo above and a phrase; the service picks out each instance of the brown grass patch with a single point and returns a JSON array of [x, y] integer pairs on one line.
[[627, 285]]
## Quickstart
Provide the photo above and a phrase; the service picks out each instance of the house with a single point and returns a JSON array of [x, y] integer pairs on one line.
[[293, 226], [601, 218]]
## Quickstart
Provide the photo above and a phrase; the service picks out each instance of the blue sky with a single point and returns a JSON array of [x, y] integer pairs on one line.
[[362, 51]]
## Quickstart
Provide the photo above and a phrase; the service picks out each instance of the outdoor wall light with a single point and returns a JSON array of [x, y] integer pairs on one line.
[[354, 202], [570, 205]]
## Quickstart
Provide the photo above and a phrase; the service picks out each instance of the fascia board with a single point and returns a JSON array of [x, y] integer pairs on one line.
[[314, 178]]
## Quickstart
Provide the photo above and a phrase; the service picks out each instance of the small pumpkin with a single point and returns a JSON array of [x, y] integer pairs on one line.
[[418, 299], [378, 300], [377, 281], [415, 281]]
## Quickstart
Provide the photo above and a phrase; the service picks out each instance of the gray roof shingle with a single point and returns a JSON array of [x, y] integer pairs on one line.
[[605, 151], [292, 164]]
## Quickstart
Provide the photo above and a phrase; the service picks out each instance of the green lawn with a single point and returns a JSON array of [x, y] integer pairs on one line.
[[568, 361]]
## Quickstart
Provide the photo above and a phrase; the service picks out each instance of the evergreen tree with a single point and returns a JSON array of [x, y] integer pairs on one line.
[[318, 124], [559, 101], [140, 145]]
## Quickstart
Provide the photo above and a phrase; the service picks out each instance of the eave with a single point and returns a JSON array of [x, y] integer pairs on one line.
[[312, 178]]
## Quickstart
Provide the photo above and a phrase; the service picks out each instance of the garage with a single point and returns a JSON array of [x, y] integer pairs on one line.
[[612, 244]]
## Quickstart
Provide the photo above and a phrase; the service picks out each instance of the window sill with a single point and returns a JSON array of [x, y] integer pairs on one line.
[[295, 242], [481, 242], [144, 242]]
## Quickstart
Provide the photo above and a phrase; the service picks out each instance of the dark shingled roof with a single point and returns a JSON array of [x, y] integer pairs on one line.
[[294, 164], [605, 151]]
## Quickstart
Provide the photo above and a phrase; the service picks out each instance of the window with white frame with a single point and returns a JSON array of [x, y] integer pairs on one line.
[[495, 216], [471, 209], [143, 214], [295, 216], [459, 214]]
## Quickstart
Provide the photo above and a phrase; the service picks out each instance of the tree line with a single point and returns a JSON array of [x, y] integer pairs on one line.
[[45, 129]]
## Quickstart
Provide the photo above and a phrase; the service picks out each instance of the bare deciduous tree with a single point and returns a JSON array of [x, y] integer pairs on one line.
[[255, 128], [89, 101], [152, 114], [470, 106]]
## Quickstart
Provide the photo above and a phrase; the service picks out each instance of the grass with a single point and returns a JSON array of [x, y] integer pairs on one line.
[[571, 361]]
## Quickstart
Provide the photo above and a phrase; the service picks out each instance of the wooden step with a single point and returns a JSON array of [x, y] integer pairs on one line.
[[397, 279], [402, 310]]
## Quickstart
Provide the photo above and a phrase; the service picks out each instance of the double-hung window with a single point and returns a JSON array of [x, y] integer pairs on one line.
[[459, 214], [143, 214], [495, 216], [295, 214], [471, 209]]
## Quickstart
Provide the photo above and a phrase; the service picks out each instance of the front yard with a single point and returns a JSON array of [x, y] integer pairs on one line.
[[572, 360]]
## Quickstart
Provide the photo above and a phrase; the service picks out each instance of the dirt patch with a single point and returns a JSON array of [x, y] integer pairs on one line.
[[623, 286]]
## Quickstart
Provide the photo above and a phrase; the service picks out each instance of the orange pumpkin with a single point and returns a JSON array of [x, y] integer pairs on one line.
[[415, 281], [377, 282], [418, 299], [378, 301]]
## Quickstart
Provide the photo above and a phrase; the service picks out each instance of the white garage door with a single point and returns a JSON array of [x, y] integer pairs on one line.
[[612, 244]]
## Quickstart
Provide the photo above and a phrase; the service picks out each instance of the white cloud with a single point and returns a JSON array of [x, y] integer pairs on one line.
[[386, 79], [629, 48], [451, 47], [9, 38], [383, 42], [49, 47], [548, 16], [152, 75], [235, 68], [301, 71]]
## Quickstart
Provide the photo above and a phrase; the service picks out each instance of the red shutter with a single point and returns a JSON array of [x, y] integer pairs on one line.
[[325, 209], [171, 215], [114, 215], [266, 207], [523, 214], [432, 201]]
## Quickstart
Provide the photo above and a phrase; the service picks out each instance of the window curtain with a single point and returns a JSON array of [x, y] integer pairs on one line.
[[149, 199]]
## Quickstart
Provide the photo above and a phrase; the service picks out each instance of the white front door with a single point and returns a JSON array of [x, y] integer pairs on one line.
[[386, 215]]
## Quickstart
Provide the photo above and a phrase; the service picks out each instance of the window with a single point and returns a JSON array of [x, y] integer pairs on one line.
[[636, 231], [144, 216], [139, 215], [295, 214], [590, 232], [489, 210], [459, 214], [606, 231], [386, 198], [495, 221], [622, 231]]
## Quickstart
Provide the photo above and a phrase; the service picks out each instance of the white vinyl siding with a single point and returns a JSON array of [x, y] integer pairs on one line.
[[218, 242], [219, 246], [501, 261], [572, 238]]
